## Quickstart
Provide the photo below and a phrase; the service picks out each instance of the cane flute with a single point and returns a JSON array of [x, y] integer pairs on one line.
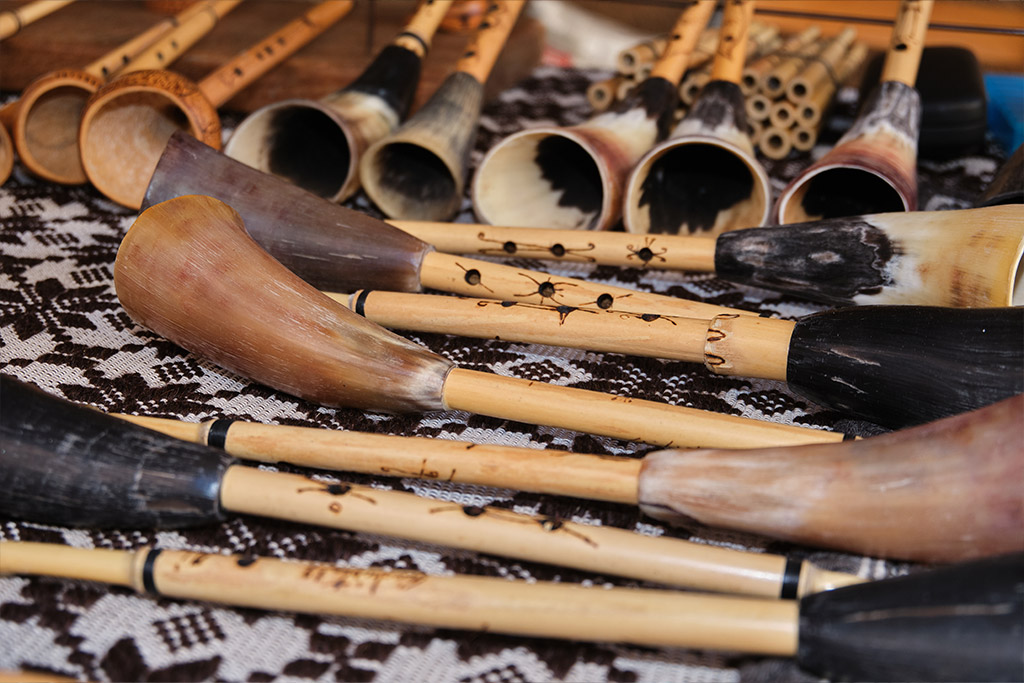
[[419, 170], [572, 177], [340, 250], [13, 20], [821, 71], [843, 497], [775, 79], [127, 122], [963, 258], [122, 456], [873, 167], [810, 112], [859, 361], [44, 121], [953, 623], [705, 178], [317, 144], [293, 338]]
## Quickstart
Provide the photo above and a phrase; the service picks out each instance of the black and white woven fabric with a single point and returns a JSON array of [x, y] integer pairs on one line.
[[63, 330]]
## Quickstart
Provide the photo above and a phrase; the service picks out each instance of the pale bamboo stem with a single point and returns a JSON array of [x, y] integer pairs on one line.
[[420, 30], [12, 21], [691, 86], [624, 87], [238, 73], [753, 74], [161, 53], [907, 42], [804, 137], [732, 42], [754, 131], [602, 94], [106, 566], [118, 59], [615, 416], [637, 334], [487, 43], [782, 114], [683, 41], [758, 107], [500, 532], [662, 252], [775, 142], [561, 473], [644, 617], [470, 277], [820, 72], [643, 53], [812, 110], [748, 347], [777, 78]]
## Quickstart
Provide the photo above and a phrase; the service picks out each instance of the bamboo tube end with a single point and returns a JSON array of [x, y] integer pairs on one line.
[[304, 142], [127, 124], [775, 142], [46, 128]]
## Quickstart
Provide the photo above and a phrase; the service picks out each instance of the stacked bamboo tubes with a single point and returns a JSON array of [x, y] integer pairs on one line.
[[789, 83]]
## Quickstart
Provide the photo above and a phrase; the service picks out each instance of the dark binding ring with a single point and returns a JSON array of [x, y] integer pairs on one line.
[[359, 305], [423, 43], [790, 579], [217, 435], [147, 571]]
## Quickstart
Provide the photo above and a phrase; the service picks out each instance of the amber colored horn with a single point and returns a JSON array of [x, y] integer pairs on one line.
[[49, 111], [572, 177], [188, 270], [318, 144], [419, 171], [873, 167], [705, 178], [128, 121]]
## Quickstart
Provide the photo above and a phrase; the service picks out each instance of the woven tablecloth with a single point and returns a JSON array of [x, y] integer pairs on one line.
[[63, 330]]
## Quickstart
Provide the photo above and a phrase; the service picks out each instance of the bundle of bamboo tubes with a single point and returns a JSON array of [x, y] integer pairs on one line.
[[789, 82]]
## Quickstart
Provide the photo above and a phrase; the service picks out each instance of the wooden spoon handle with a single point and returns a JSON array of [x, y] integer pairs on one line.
[[908, 35], [487, 43], [236, 74], [418, 33], [160, 54], [682, 41], [661, 252], [615, 416], [732, 42], [470, 277]]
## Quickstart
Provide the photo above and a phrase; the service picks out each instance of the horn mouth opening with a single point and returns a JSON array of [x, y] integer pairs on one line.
[[836, 191], [407, 180], [46, 133], [545, 178], [302, 142], [126, 128], [700, 186]]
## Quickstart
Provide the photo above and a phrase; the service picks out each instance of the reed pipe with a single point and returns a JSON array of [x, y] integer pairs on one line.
[[13, 20]]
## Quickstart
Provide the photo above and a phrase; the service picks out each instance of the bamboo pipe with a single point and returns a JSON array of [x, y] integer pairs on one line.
[[754, 72], [572, 177], [966, 258], [803, 137], [45, 119], [188, 252], [13, 20], [873, 167], [811, 111], [122, 456], [647, 52], [966, 358], [754, 131], [821, 71], [337, 249], [127, 122], [419, 170], [782, 115], [776, 78], [602, 94], [775, 142], [317, 145], [952, 623], [758, 107], [705, 177]]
